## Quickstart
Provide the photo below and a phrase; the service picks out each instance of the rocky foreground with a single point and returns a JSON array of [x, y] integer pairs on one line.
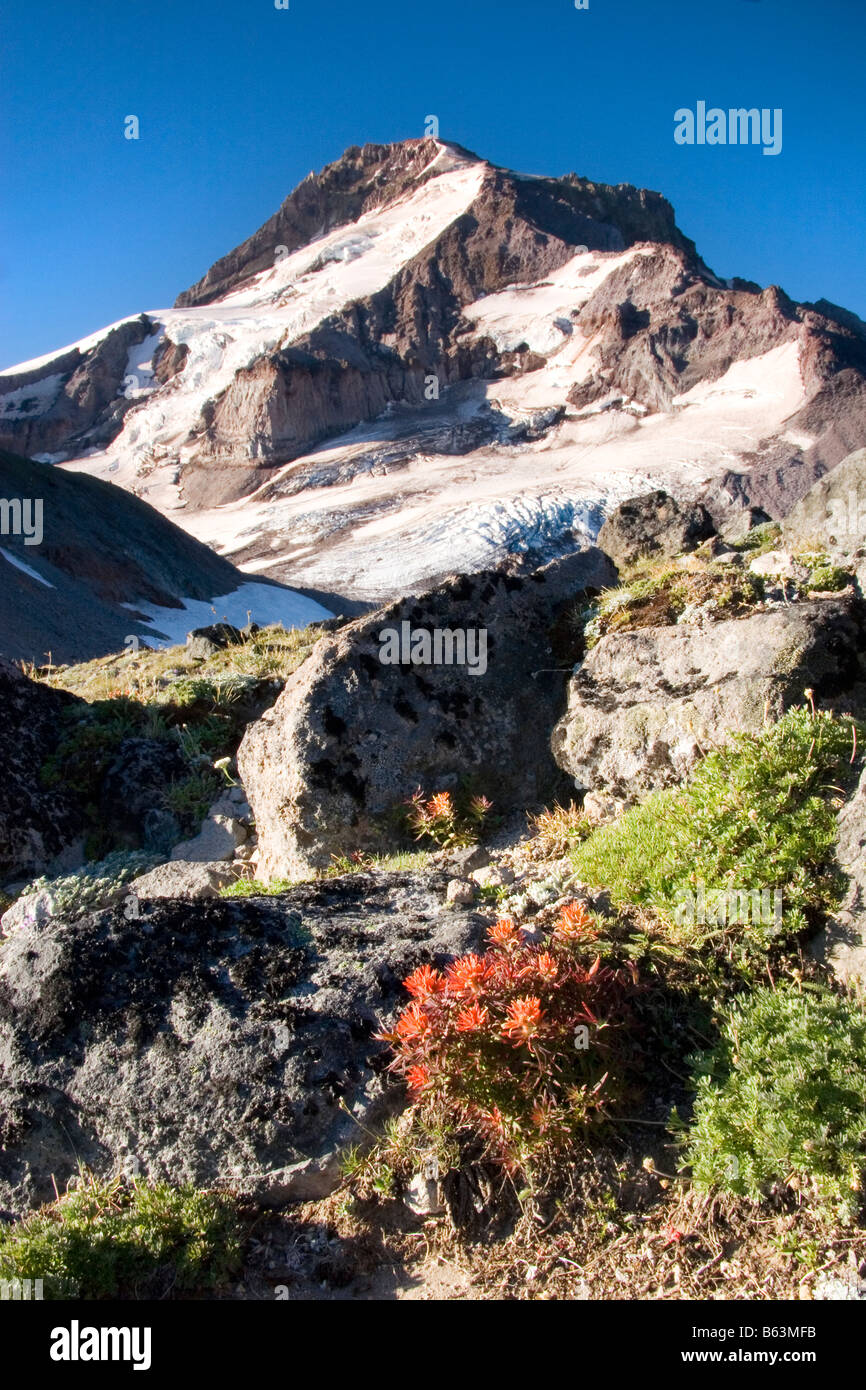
[[200, 985]]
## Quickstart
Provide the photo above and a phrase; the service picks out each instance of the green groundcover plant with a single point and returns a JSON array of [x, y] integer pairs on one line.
[[781, 1098], [758, 815], [119, 1239]]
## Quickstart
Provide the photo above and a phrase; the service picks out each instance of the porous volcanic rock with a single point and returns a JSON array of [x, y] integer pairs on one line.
[[654, 524], [645, 705], [350, 738], [832, 515], [38, 824], [214, 1041], [842, 943]]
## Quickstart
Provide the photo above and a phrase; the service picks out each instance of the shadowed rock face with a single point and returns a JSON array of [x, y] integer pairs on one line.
[[350, 737], [87, 400], [101, 548], [645, 705], [214, 1042], [37, 824]]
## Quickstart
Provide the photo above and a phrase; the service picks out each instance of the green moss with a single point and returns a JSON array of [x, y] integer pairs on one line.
[[661, 595]]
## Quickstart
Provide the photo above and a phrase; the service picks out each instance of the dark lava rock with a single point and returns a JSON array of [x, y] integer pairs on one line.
[[134, 786], [214, 1041], [203, 642], [38, 824], [350, 738], [654, 524]]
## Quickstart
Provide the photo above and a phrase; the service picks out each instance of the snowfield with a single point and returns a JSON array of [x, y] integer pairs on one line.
[[260, 603]]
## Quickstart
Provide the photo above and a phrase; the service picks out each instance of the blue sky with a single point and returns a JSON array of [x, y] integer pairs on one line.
[[237, 101]]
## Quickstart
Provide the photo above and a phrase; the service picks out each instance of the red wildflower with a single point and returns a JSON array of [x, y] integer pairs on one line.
[[524, 1019], [424, 982], [413, 1022], [574, 922], [547, 966], [417, 1078], [504, 933], [472, 1018], [440, 805], [466, 975]]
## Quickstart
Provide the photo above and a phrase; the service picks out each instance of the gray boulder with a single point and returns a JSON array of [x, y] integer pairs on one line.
[[351, 737], [646, 705], [183, 880], [832, 515], [218, 839], [654, 524], [842, 944], [215, 1042]]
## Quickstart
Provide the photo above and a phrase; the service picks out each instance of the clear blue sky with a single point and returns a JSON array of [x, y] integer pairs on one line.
[[238, 101]]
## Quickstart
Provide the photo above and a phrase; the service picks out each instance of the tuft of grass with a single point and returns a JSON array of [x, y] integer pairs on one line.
[[781, 1099], [191, 798], [125, 1239], [758, 814], [760, 539], [558, 829]]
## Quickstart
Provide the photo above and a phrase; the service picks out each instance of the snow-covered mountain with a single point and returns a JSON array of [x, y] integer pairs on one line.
[[423, 362]]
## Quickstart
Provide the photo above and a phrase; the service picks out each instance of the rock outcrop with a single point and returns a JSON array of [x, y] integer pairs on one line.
[[653, 524], [645, 705], [351, 737], [85, 396], [217, 1042], [842, 944], [832, 515], [40, 827]]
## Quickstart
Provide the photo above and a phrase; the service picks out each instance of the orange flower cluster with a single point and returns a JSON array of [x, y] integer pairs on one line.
[[439, 818], [488, 1042]]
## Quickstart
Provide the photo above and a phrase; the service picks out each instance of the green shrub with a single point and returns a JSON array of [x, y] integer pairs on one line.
[[121, 1239], [782, 1098], [758, 814]]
